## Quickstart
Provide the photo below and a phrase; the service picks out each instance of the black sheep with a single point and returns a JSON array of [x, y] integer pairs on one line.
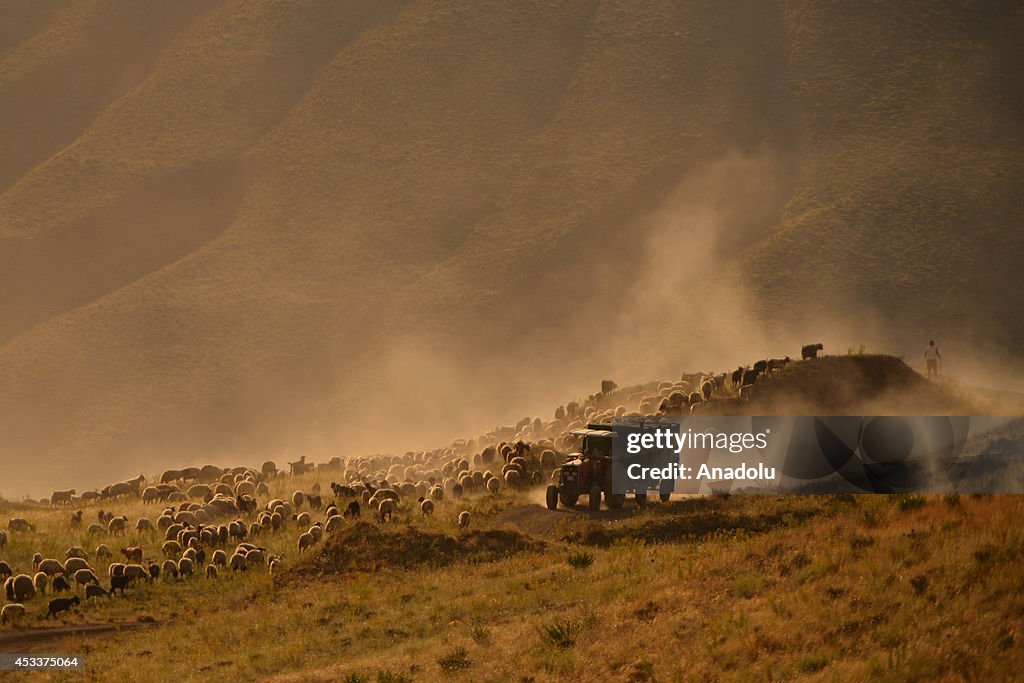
[[811, 351], [761, 366], [353, 509], [58, 605], [737, 375], [95, 592], [60, 584], [119, 583], [749, 377]]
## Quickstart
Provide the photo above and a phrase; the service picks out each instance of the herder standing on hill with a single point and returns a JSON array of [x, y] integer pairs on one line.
[[932, 358]]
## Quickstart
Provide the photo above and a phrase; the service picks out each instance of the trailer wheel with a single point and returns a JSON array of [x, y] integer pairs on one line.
[[551, 497], [664, 497], [614, 500], [595, 498], [641, 500]]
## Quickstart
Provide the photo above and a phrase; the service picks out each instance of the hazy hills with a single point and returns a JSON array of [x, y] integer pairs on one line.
[[238, 229]]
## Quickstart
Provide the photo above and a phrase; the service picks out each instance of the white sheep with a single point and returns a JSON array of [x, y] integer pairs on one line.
[[171, 549], [145, 524], [427, 507], [493, 485], [219, 558], [464, 519], [386, 509], [41, 580], [169, 569], [334, 523], [211, 571], [73, 564], [135, 572], [12, 612], [85, 576], [306, 541], [117, 526], [186, 567], [75, 551], [50, 566], [238, 562]]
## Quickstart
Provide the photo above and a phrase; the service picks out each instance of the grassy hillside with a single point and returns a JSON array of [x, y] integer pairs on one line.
[[245, 229]]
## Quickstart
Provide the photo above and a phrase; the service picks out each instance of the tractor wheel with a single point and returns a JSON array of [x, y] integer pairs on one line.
[[568, 496], [614, 500], [551, 497], [595, 498], [641, 500]]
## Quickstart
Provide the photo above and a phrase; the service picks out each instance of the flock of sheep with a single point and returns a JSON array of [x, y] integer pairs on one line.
[[211, 520]]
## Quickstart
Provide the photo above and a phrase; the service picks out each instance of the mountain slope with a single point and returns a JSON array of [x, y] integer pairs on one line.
[[271, 228]]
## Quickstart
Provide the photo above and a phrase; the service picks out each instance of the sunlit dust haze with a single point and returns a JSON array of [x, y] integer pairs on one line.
[[239, 231]]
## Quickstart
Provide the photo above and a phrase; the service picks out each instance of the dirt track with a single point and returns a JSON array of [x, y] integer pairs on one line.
[[30, 640]]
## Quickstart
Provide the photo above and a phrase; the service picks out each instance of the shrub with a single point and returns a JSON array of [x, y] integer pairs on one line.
[[911, 503], [561, 634], [952, 499], [582, 559], [455, 660], [480, 634]]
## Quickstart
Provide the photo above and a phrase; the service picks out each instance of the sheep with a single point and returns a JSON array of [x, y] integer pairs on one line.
[[219, 558], [19, 524], [103, 552], [40, 580], [608, 386], [464, 519], [334, 523], [257, 556], [95, 592], [169, 568], [133, 554], [695, 397], [211, 571], [171, 549], [154, 571], [73, 564], [706, 387], [84, 577], [761, 366], [305, 542], [386, 510], [75, 551], [135, 571], [119, 583], [272, 564], [298, 498], [493, 485], [5, 570], [749, 377], [59, 584], [117, 526], [50, 566], [513, 478], [186, 567], [144, 524], [115, 569], [61, 497], [21, 588], [238, 562], [12, 612], [426, 507], [811, 351], [302, 519], [737, 375], [746, 391], [777, 363], [58, 605], [76, 520], [317, 532]]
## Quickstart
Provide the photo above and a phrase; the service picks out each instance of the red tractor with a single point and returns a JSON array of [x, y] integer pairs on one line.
[[590, 471]]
